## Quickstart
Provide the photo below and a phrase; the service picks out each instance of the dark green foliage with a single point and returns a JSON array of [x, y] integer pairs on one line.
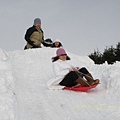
[[96, 57], [117, 52], [110, 54]]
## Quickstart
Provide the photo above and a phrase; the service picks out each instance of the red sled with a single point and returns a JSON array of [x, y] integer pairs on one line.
[[80, 88]]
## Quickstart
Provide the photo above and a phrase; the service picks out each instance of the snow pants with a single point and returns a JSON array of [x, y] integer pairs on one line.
[[70, 79]]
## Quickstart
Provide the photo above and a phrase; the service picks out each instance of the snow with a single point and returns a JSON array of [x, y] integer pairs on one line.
[[24, 94]]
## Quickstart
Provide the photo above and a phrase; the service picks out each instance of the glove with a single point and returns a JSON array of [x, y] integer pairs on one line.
[[75, 69]]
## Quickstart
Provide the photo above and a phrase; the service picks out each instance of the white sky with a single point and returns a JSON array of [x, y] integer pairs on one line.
[[81, 25]]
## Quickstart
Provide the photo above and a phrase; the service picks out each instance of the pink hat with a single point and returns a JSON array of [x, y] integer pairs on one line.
[[60, 51]]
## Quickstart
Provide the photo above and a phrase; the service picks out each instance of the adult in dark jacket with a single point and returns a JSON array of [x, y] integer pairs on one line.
[[35, 35]]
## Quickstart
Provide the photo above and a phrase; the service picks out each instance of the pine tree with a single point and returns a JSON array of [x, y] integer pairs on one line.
[[117, 52], [96, 57], [109, 55]]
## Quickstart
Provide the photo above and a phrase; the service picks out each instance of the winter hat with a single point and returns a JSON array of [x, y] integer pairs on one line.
[[37, 20], [60, 51], [57, 40]]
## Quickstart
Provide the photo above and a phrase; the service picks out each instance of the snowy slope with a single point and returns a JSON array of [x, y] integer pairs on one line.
[[7, 88], [24, 94]]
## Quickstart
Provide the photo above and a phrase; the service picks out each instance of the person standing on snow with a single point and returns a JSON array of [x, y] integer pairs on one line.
[[35, 35], [67, 75]]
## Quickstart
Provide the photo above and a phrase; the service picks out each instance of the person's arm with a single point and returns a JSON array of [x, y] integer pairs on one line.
[[27, 36], [43, 41], [59, 71], [73, 66], [46, 44]]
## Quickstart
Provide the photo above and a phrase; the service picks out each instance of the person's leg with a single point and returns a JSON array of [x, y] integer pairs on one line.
[[72, 79], [83, 82], [83, 71], [88, 76]]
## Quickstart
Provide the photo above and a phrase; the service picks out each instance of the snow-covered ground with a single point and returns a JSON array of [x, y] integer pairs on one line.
[[25, 96]]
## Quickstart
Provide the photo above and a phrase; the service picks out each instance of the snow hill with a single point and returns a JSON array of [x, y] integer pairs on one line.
[[25, 96]]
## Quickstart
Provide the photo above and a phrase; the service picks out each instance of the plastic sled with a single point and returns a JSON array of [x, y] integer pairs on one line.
[[80, 88]]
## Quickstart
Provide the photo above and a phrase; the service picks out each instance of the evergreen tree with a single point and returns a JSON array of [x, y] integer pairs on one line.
[[96, 57], [117, 52], [109, 55]]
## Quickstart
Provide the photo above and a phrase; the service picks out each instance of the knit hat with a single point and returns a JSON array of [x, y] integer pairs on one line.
[[37, 20], [60, 51]]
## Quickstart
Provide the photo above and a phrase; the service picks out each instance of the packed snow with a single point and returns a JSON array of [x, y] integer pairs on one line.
[[24, 94]]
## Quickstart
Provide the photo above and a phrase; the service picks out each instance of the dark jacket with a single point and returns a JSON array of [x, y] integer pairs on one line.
[[34, 37]]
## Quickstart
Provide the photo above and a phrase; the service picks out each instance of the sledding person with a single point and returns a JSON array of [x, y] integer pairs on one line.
[[67, 74], [35, 35], [56, 44]]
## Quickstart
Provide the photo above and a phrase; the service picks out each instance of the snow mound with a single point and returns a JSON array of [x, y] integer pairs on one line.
[[7, 89], [3, 55], [25, 96]]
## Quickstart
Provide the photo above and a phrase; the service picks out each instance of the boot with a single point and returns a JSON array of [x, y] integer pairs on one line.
[[89, 78], [96, 81], [82, 82]]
